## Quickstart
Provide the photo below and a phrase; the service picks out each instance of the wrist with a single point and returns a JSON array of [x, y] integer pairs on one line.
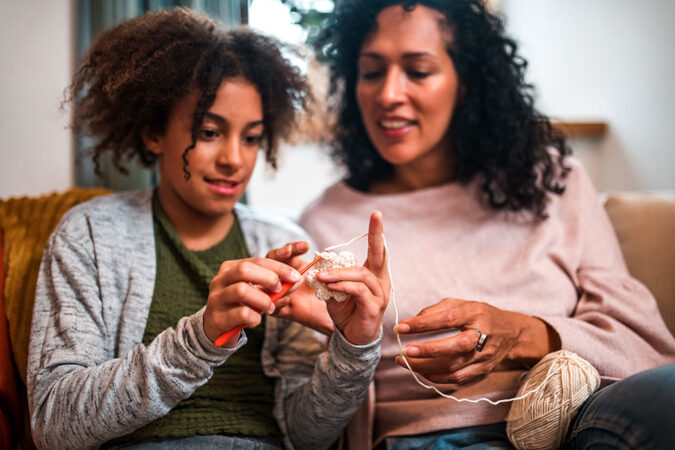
[[536, 339]]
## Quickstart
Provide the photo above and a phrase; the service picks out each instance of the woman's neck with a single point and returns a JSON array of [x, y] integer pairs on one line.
[[413, 177]]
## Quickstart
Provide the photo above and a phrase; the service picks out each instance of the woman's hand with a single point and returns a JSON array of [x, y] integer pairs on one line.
[[359, 317], [513, 339], [300, 305], [238, 294]]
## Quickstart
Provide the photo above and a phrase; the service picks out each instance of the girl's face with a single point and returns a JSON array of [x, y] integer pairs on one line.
[[407, 89], [222, 160]]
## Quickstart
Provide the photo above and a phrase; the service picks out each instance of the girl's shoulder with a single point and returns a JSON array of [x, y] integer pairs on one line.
[[118, 213], [265, 230]]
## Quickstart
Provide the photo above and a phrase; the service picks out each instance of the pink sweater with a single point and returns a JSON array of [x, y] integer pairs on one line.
[[567, 270]]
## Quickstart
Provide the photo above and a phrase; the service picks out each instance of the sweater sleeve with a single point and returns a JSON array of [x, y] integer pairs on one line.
[[616, 324], [81, 394]]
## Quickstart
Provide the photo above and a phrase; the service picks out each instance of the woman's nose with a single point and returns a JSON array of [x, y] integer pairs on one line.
[[392, 90]]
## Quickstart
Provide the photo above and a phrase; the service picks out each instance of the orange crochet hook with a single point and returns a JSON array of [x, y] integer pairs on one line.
[[274, 297]]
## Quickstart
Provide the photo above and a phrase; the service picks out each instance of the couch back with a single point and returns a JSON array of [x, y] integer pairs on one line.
[[645, 227]]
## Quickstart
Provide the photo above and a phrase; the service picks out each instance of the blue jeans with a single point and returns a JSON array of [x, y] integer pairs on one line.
[[635, 413]]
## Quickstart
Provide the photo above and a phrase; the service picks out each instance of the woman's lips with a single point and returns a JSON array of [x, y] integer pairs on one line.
[[395, 128], [223, 186]]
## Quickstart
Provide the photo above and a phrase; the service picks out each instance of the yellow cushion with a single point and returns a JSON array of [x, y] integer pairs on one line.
[[645, 226], [26, 223]]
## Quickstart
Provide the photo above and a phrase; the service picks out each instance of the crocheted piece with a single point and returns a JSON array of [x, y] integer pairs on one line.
[[329, 261]]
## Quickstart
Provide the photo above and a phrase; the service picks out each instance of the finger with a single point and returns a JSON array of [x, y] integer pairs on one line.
[[446, 303], [460, 344], [243, 315], [376, 260], [241, 294], [436, 366], [466, 375], [267, 273], [356, 274], [448, 313], [444, 320], [289, 253]]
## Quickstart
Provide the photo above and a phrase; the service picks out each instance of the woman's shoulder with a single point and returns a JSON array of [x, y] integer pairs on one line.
[[334, 198]]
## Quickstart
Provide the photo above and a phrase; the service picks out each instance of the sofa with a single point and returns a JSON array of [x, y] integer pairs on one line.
[[644, 224]]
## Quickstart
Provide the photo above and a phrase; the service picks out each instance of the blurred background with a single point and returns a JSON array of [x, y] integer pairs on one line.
[[603, 69]]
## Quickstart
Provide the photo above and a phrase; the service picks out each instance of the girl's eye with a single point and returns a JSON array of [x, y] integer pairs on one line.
[[253, 139], [209, 134]]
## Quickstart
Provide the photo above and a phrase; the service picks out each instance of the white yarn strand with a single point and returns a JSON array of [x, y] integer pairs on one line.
[[551, 371]]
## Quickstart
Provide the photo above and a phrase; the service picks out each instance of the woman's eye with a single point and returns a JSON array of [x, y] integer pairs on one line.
[[370, 74], [419, 74]]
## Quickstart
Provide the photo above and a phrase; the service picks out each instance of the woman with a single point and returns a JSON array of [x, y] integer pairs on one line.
[[135, 288], [500, 251]]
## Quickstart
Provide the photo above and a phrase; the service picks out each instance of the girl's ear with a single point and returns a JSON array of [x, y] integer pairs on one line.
[[151, 140]]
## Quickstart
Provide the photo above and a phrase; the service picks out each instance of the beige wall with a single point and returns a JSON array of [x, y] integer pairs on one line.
[[607, 59], [36, 54], [612, 60]]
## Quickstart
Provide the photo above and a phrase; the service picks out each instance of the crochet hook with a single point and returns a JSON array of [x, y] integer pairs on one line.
[[274, 297]]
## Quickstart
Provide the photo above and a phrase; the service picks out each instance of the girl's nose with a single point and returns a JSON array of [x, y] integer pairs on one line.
[[230, 154]]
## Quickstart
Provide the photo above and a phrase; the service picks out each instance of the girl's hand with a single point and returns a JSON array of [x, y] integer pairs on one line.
[[238, 294], [300, 305], [359, 317], [513, 339]]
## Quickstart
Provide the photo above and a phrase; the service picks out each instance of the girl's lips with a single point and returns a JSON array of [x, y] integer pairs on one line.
[[223, 187]]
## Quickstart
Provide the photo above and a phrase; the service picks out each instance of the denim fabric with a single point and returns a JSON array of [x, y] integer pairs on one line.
[[635, 413], [473, 438]]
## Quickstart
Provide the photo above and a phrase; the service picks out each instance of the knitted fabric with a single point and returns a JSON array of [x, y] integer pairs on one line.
[[238, 399], [329, 261], [26, 224]]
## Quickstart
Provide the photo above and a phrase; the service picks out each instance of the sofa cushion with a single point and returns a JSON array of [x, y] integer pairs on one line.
[[645, 227]]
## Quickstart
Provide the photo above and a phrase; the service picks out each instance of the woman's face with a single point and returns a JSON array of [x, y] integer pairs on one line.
[[222, 160], [407, 89]]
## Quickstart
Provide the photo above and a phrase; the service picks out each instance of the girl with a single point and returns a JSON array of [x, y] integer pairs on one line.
[[133, 290]]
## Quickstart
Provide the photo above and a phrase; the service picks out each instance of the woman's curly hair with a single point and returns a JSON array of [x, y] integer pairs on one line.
[[496, 132], [135, 72]]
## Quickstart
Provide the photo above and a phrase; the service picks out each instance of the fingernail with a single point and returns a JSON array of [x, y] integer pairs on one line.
[[294, 275], [277, 288], [411, 351], [271, 309], [401, 328], [322, 274]]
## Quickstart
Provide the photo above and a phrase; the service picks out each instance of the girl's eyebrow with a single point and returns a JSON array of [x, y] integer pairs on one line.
[[223, 121]]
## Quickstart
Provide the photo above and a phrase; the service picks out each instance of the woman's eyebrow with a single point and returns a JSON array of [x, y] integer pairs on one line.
[[407, 55]]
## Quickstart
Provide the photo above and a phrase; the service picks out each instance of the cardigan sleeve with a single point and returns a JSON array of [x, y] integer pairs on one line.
[[80, 393], [616, 324]]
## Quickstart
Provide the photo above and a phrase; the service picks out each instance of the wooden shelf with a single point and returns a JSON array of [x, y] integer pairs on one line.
[[582, 129]]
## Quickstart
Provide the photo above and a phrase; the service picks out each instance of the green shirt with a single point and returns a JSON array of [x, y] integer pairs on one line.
[[239, 398]]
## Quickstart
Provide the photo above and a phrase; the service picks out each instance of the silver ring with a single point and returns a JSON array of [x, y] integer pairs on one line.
[[482, 339]]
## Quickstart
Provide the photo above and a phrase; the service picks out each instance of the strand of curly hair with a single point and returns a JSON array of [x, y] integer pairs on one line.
[[497, 133]]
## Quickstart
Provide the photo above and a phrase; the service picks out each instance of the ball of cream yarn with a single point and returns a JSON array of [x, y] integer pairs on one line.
[[541, 420]]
